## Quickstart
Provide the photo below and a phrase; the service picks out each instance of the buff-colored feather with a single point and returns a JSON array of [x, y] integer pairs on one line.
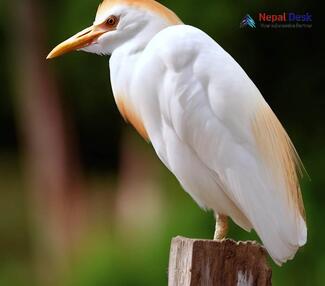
[[149, 5], [278, 152]]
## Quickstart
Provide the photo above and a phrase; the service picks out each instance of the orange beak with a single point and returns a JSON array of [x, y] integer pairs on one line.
[[83, 39]]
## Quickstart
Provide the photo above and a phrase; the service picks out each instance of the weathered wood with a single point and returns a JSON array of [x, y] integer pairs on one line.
[[196, 262]]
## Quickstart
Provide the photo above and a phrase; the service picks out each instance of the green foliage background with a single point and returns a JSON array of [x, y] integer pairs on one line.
[[284, 64]]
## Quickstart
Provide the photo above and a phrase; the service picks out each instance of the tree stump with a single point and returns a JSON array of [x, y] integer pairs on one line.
[[198, 262]]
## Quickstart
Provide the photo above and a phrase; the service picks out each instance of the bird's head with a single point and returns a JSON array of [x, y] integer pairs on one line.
[[117, 23]]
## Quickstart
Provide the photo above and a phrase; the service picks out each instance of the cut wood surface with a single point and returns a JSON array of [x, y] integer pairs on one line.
[[198, 262]]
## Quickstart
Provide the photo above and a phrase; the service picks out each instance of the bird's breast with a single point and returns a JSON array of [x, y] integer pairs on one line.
[[130, 115], [122, 69]]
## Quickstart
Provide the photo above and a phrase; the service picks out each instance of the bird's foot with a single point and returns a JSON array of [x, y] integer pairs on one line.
[[221, 227]]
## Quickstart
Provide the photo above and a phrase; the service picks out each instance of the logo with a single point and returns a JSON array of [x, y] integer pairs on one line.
[[280, 20], [285, 17], [248, 21]]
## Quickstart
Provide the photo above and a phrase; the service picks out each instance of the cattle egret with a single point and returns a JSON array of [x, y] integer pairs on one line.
[[205, 118]]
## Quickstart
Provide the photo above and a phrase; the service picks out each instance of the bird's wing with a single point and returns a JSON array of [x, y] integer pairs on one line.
[[216, 110]]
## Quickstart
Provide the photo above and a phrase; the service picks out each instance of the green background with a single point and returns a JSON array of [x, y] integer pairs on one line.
[[112, 223]]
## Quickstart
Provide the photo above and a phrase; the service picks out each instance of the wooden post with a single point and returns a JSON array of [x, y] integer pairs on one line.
[[198, 262]]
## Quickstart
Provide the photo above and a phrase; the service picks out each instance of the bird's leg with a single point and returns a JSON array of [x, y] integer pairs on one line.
[[221, 227]]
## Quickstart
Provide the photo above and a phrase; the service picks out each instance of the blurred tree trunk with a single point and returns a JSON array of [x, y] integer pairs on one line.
[[138, 189], [51, 166]]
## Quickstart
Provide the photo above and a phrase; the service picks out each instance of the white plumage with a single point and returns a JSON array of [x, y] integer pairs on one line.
[[205, 118]]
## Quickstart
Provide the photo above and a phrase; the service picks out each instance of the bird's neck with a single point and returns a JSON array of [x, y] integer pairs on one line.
[[125, 56], [123, 65]]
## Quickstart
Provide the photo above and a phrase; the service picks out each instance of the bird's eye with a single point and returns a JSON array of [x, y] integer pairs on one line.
[[111, 21]]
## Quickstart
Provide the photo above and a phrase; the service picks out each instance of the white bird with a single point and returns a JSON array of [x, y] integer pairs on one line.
[[205, 118]]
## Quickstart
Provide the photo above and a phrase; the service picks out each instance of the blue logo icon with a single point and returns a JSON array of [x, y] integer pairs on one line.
[[248, 21]]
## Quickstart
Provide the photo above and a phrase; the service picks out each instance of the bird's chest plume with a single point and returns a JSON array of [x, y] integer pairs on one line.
[[122, 72], [130, 115]]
